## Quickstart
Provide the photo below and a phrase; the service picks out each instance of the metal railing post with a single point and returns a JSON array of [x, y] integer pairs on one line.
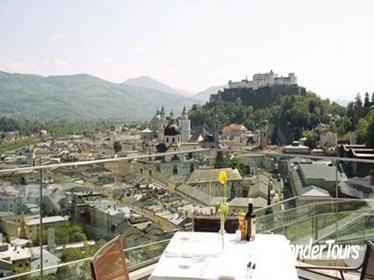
[[336, 200], [41, 221], [314, 223]]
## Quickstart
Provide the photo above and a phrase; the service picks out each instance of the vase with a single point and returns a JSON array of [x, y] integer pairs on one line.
[[222, 230]]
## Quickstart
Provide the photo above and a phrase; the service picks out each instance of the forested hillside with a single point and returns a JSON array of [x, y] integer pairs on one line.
[[80, 97], [292, 116]]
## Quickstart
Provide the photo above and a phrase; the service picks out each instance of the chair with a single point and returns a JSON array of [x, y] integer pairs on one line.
[[109, 262], [367, 266], [213, 224]]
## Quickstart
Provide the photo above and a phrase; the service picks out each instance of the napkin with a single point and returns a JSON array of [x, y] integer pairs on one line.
[[226, 277]]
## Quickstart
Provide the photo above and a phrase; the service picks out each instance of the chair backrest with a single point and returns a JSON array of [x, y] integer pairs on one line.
[[213, 224], [368, 264], [109, 263]]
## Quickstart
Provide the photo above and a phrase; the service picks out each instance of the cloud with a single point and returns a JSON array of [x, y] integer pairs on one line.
[[56, 37], [9, 65], [61, 63], [141, 50], [104, 59]]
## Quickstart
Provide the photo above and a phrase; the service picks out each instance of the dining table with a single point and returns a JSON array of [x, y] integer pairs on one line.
[[205, 255]]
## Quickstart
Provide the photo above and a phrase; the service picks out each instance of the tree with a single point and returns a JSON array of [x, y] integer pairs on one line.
[[69, 234], [370, 131], [311, 139], [220, 161], [361, 131], [358, 110], [288, 114], [358, 101], [365, 130], [332, 127], [350, 110], [64, 234], [367, 100], [7, 124], [80, 270], [345, 126], [72, 254], [117, 146]]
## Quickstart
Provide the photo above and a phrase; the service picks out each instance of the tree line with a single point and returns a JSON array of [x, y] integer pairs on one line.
[[291, 117]]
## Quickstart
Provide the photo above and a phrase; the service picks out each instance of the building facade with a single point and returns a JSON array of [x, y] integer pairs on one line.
[[171, 129], [206, 180]]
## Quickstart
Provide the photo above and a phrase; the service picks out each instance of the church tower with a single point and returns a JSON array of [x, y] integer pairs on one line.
[[185, 125], [161, 124], [215, 128]]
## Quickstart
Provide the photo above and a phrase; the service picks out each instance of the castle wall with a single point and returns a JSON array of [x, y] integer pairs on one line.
[[263, 80]]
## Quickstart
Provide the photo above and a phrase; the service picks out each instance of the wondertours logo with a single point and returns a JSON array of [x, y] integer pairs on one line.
[[329, 250]]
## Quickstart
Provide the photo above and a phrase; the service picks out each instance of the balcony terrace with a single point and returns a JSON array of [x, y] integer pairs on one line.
[[139, 198]]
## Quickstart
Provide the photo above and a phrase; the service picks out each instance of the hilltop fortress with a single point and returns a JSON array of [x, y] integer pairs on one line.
[[263, 80], [259, 92]]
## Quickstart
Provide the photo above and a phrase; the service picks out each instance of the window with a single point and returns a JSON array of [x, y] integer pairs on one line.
[[192, 168]]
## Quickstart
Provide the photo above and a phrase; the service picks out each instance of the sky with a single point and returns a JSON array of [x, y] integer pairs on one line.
[[194, 44]]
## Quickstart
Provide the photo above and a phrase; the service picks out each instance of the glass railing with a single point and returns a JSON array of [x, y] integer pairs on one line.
[[63, 213], [315, 209], [137, 257], [60, 214]]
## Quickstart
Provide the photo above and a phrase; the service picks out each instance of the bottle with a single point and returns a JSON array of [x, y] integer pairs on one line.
[[242, 225], [250, 218]]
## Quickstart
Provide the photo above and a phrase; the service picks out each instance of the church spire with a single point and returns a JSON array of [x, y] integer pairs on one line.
[[184, 113], [22, 228]]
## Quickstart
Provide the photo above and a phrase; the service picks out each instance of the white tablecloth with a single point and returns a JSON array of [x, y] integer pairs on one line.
[[199, 255]]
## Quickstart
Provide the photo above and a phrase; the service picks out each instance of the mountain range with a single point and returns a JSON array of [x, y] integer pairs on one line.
[[204, 95], [85, 97], [342, 102]]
